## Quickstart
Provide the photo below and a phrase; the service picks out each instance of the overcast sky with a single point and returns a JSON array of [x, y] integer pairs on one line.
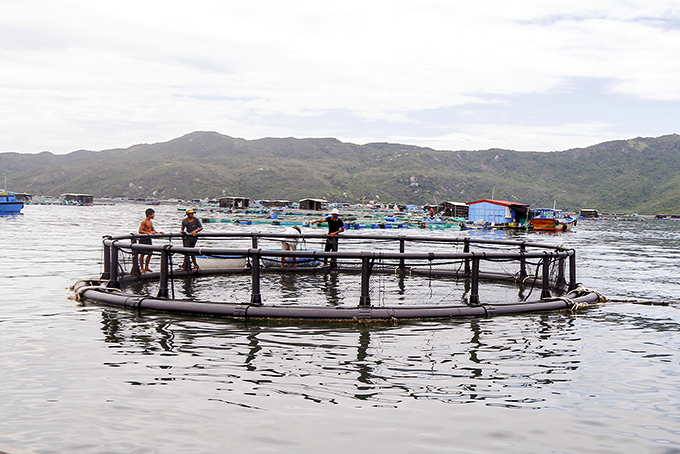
[[539, 75]]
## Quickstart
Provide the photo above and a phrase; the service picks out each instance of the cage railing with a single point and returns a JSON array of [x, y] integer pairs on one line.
[[557, 264]]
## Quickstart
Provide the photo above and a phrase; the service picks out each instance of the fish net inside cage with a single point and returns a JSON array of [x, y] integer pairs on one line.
[[432, 281]]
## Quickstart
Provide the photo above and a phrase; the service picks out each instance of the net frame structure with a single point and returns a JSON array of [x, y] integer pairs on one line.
[[546, 268]]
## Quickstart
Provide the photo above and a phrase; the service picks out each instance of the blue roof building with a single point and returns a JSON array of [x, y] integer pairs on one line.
[[497, 211]]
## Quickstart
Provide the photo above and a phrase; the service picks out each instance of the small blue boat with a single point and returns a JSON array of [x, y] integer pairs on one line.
[[306, 262], [8, 201]]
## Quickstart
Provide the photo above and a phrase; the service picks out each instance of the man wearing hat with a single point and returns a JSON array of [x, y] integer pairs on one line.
[[290, 244], [335, 226], [190, 227]]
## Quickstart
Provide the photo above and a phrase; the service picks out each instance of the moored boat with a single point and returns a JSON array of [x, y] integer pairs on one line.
[[9, 203], [551, 220]]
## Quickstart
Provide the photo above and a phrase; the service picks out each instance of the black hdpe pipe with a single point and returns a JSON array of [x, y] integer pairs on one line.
[[329, 313]]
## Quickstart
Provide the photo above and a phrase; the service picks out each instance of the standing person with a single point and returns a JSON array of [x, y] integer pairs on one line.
[[190, 227], [335, 226], [290, 244], [146, 227]]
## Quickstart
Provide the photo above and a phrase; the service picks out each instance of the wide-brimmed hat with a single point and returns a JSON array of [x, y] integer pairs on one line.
[[190, 210], [335, 211]]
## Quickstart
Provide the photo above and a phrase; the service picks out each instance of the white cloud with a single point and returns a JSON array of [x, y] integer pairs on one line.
[[98, 75]]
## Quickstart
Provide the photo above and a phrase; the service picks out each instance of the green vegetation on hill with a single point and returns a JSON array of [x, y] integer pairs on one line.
[[638, 175]]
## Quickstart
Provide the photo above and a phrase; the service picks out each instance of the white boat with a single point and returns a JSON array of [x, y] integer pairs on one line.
[[219, 262]]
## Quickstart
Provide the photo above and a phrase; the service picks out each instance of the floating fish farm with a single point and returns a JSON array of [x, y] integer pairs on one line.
[[364, 277]]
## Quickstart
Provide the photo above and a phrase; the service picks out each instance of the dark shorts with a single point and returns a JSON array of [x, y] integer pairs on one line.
[[189, 241], [145, 241]]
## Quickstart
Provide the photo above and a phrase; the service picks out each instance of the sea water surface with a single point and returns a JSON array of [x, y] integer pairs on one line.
[[94, 379]]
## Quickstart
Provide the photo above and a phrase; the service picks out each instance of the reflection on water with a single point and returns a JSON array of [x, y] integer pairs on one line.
[[462, 362], [329, 287], [290, 290], [187, 285]]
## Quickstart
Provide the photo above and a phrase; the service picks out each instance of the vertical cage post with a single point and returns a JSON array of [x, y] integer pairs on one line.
[[466, 249], [255, 296], [163, 281], [560, 271], [365, 299], [254, 241], [545, 292], [402, 248], [113, 280], [572, 271], [107, 261], [474, 289]]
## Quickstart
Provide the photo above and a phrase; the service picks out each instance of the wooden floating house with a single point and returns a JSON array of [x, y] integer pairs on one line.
[[275, 203], [313, 204], [589, 213], [454, 209], [498, 212], [234, 202], [78, 199]]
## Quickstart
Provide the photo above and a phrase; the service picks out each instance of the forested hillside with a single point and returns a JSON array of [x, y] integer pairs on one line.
[[638, 175]]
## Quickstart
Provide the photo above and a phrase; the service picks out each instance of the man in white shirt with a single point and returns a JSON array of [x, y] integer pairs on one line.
[[290, 244]]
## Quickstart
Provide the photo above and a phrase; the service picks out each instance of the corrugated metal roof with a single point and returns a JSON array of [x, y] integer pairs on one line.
[[499, 202]]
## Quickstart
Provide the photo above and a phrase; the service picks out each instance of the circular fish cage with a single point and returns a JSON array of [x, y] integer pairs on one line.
[[350, 277]]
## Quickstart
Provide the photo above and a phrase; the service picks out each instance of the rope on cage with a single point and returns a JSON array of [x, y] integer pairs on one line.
[[125, 258], [571, 304], [461, 265], [102, 286], [653, 302], [533, 283], [554, 271]]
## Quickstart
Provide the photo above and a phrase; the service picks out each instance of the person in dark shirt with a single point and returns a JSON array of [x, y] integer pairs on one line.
[[335, 226], [190, 227]]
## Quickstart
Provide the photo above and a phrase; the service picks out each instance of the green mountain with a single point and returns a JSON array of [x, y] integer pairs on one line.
[[638, 175]]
